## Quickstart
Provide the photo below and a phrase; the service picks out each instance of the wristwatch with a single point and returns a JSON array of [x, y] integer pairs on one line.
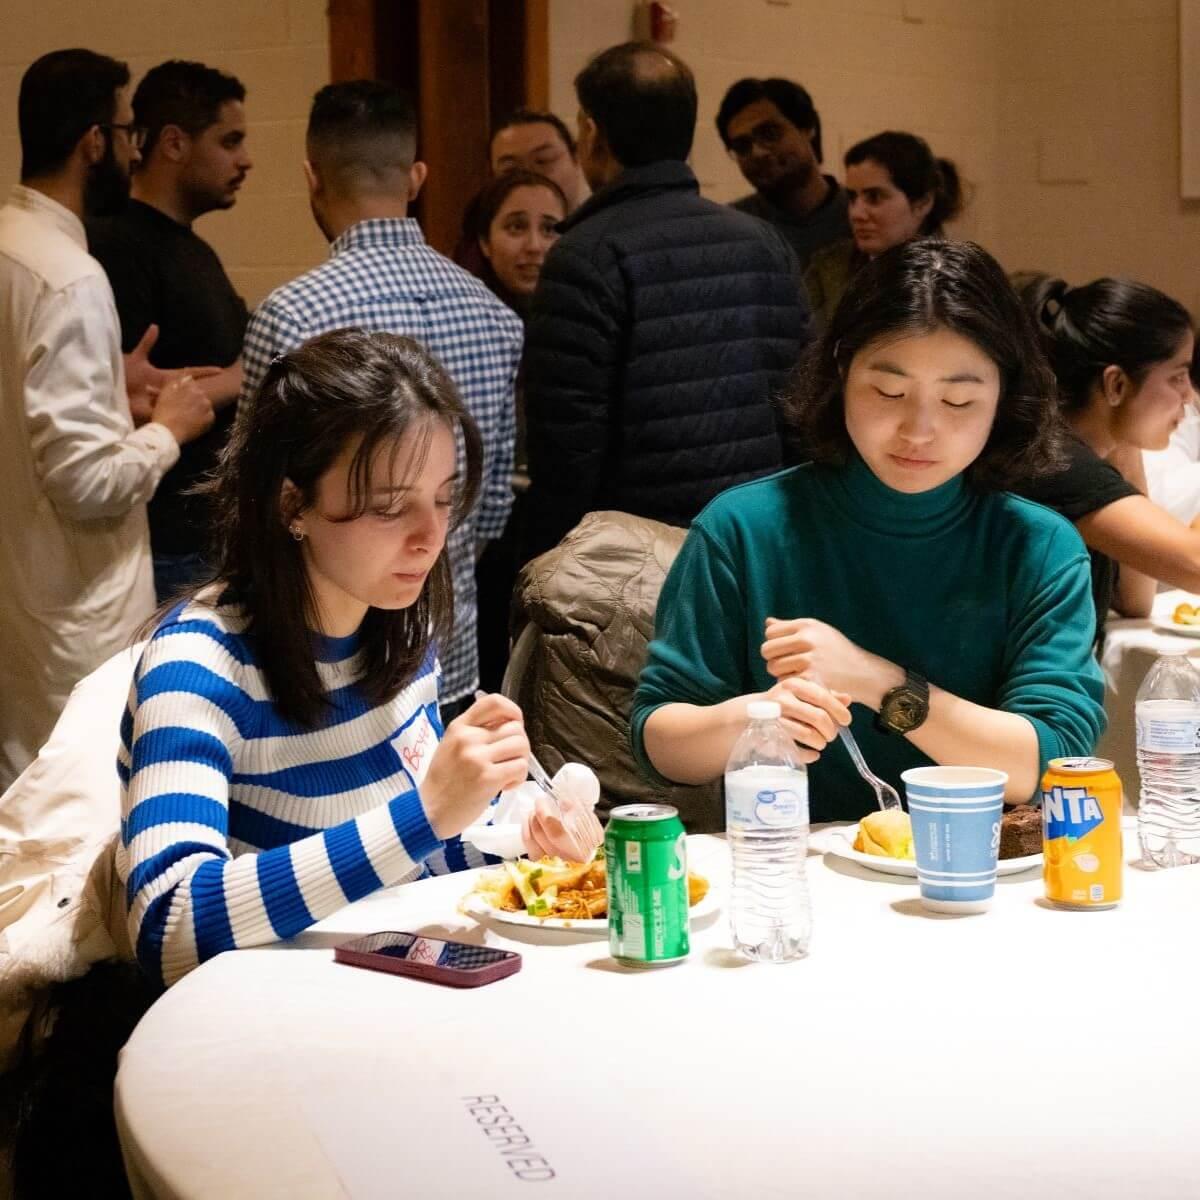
[[904, 707]]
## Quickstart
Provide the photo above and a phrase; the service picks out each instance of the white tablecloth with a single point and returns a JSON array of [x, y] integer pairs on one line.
[[1130, 648], [1028, 1051]]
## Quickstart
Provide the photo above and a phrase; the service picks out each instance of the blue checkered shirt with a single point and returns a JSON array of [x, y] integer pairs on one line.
[[381, 275]]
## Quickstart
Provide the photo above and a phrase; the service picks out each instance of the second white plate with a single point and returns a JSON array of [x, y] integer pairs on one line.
[[1166, 625], [841, 845]]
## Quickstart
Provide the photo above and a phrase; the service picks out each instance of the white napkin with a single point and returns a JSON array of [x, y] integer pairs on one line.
[[501, 834]]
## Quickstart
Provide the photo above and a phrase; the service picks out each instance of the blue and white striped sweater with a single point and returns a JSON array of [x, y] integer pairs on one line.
[[240, 827]]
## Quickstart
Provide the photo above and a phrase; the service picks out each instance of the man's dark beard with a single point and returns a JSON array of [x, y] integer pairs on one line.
[[106, 191], [782, 190]]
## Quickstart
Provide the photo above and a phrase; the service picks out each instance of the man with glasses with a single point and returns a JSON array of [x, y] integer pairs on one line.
[[773, 132], [75, 575], [541, 142], [173, 296]]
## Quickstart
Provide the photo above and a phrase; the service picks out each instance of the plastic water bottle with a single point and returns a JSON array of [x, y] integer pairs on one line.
[[1168, 751], [766, 819]]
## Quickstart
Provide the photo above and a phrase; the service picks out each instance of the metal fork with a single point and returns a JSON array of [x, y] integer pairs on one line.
[[884, 792]]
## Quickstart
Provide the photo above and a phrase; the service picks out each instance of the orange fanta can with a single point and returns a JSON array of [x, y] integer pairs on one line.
[[1081, 833]]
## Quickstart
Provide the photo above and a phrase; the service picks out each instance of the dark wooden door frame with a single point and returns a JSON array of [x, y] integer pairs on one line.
[[465, 63]]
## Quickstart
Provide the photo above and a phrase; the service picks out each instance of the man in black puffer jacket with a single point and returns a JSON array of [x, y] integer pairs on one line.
[[664, 325]]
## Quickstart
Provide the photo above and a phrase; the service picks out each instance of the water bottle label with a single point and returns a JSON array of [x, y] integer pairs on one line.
[[1175, 736], [780, 804]]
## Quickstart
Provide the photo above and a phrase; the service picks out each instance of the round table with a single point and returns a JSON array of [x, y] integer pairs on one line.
[[1028, 1051], [1130, 647]]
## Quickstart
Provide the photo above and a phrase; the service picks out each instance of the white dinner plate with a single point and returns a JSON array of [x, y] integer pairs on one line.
[[475, 904], [1168, 626], [841, 845]]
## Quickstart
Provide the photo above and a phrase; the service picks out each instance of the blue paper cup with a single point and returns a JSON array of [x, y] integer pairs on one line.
[[956, 834]]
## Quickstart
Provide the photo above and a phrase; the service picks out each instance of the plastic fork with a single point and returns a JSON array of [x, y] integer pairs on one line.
[[884, 792], [572, 821], [541, 777]]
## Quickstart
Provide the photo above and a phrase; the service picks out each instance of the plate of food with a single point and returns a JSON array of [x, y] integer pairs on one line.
[[1183, 619], [552, 893], [882, 842]]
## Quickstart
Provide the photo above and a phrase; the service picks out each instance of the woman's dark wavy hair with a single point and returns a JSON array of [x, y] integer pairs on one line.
[[1108, 322], [916, 172], [919, 287], [333, 390]]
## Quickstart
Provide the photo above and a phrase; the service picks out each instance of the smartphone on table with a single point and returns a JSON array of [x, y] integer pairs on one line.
[[455, 964]]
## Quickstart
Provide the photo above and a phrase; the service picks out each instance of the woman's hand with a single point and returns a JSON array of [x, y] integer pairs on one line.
[[574, 835], [482, 753], [810, 713], [811, 649]]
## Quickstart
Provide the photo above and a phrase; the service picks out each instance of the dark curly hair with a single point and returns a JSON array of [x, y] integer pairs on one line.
[[916, 288], [790, 98]]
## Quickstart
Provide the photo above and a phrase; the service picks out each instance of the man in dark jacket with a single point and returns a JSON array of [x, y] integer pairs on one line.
[[664, 325]]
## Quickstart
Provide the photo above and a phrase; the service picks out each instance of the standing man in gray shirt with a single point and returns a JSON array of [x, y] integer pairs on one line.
[[773, 132]]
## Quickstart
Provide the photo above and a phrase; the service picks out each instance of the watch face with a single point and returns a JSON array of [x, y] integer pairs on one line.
[[905, 710]]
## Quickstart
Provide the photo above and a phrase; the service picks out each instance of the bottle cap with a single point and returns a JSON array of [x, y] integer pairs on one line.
[[763, 710]]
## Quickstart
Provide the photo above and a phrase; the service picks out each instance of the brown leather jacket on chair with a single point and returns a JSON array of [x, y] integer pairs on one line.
[[583, 615]]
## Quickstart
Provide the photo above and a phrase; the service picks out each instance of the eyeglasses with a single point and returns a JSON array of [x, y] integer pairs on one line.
[[135, 133], [766, 134]]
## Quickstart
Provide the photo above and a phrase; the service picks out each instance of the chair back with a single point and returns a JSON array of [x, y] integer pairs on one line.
[[584, 613]]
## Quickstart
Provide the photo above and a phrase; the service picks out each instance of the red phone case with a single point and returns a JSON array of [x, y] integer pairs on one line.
[[481, 964]]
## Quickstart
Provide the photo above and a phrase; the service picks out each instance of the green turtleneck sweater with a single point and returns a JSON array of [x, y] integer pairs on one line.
[[987, 596]]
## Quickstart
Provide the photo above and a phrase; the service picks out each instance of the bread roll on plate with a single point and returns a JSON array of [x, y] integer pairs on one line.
[[887, 834]]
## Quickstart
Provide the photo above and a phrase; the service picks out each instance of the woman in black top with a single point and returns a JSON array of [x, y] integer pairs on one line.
[[1122, 353]]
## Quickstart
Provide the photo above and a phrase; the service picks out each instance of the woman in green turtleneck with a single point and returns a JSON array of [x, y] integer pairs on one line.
[[892, 584]]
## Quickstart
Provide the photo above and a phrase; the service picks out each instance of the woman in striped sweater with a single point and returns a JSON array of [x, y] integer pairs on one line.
[[282, 752]]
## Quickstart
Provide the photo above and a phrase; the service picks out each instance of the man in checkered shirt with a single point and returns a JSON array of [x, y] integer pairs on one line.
[[362, 175]]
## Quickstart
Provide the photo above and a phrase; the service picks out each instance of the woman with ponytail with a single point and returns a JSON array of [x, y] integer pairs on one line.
[[1121, 352], [897, 191]]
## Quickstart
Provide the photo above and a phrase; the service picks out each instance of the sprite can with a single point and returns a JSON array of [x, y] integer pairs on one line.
[[646, 851]]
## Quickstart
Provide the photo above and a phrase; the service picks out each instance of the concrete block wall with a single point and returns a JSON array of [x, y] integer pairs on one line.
[[929, 66], [1063, 115], [278, 48]]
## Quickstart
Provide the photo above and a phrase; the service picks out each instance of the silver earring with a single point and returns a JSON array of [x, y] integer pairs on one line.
[[297, 534]]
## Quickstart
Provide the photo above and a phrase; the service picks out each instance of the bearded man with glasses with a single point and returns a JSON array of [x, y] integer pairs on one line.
[[773, 132]]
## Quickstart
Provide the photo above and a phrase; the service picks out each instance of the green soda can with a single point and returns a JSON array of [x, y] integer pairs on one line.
[[646, 850]]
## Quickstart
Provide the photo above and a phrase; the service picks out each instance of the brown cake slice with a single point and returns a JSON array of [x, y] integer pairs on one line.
[[1021, 831]]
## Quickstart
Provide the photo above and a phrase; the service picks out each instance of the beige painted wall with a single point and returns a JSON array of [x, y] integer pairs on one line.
[[1062, 114], [1089, 97], [278, 48]]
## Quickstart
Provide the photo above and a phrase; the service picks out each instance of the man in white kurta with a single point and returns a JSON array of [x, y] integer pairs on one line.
[[75, 475], [75, 572]]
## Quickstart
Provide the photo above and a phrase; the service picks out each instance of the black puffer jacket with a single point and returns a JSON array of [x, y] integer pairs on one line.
[[662, 330]]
